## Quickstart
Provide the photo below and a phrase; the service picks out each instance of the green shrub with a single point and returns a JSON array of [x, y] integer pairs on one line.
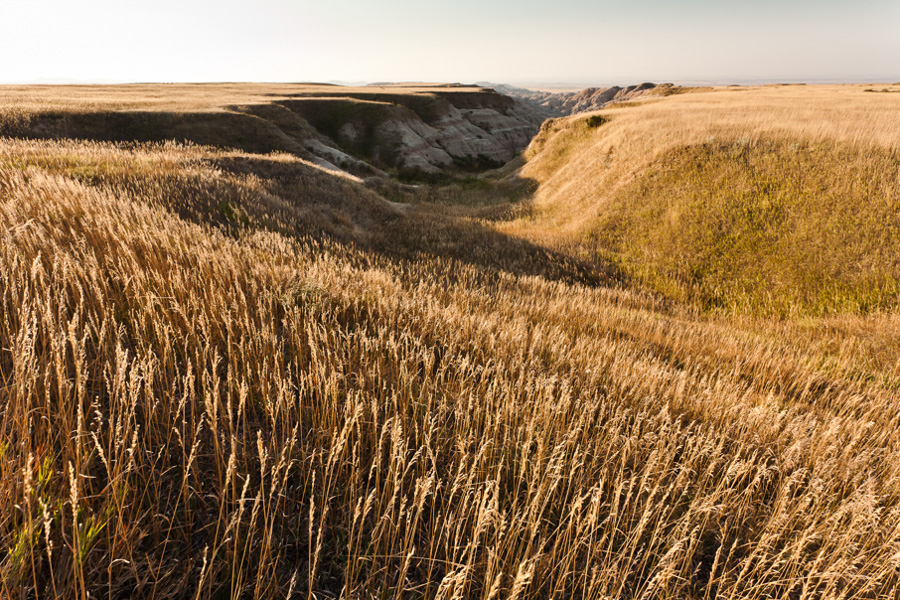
[[595, 121]]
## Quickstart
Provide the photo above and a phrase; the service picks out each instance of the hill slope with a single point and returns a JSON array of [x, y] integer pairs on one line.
[[421, 128], [769, 199]]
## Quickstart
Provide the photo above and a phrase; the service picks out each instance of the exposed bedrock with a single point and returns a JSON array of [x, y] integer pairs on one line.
[[558, 104], [427, 132]]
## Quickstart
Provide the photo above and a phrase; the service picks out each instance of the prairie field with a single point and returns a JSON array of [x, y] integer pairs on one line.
[[656, 358]]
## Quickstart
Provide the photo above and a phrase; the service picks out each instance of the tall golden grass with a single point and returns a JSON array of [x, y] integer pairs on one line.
[[226, 375]]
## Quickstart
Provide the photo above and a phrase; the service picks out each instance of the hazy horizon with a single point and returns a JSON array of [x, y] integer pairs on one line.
[[567, 43]]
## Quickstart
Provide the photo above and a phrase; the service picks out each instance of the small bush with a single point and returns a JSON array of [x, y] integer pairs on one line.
[[595, 121]]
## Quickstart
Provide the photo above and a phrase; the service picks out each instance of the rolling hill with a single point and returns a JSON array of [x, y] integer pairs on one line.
[[771, 200]]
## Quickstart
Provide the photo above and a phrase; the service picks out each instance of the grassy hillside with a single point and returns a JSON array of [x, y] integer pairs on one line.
[[768, 200], [235, 375]]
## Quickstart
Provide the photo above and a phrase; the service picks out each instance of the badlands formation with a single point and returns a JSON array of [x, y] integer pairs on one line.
[[407, 129]]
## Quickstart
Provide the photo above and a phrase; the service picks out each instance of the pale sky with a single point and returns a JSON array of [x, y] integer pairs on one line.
[[516, 41]]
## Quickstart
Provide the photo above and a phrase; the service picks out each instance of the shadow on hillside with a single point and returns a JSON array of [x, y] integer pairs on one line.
[[430, 232], [417, 229], [225, 129], [424, 221], [420, 230]]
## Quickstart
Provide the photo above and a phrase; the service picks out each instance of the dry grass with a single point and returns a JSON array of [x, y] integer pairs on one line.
[[184, 97], [771, 200], [204, 395]]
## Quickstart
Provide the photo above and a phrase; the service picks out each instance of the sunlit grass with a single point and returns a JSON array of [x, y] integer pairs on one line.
[[227, 375], [768, 200]]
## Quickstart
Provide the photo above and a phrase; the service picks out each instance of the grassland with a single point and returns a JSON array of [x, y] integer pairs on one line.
[[236, 375], [773, 200]]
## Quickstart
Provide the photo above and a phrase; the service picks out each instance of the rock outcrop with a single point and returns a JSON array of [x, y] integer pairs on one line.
[[559, 104], [425, 132]]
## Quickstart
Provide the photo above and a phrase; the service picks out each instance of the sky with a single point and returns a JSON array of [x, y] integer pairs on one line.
[[564, 42]]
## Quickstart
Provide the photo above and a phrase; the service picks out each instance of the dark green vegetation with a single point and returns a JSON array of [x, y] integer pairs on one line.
[[596, 120]]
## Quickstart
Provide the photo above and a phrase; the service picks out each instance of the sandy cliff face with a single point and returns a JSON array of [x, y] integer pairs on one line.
[[424, 132]]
